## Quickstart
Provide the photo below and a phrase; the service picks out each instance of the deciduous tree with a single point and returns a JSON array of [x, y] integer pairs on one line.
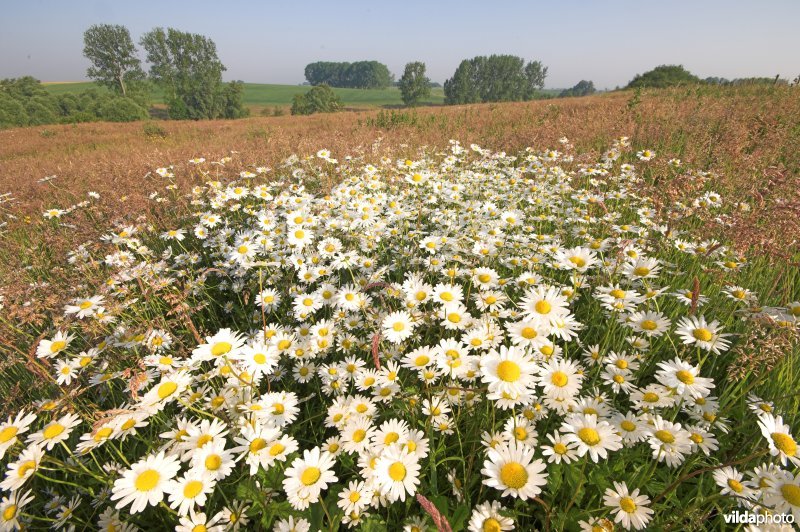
[[113, 56], [414, 85]]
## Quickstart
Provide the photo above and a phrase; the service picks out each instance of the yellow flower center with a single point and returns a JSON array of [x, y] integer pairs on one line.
[[491, 525], [276, 449], [390, 438], [7, 433], [791, 492], [204, 439], [508, 371], [685, 376], [260, 358], [310, 475], [10, 512], [580, 262], [192, 489], [704, 335], [542, 307], [85, 305], [665, 436], [52, 430], [529, 333], [57, 346], [257, 444], [220, 348], [421, 360], [514, 475], [641, 271], [735, 485], [354, 497], [650, 397], [213, 462], [559, 378], [627, 505], [589, 436], [397, 471], [166, 389], [649, 325], [784, 443], [628, 426], [147, 480], [103, 433], [25, 467], [399, 326]]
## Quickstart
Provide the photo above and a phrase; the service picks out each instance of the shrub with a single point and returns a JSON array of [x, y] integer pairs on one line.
[[664, 76], [154, 131], [12, 112], [41, 110], [320, 99], [232, 106], [122, 110]]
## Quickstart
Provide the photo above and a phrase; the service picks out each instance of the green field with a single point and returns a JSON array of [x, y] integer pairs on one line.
[[259, 95]]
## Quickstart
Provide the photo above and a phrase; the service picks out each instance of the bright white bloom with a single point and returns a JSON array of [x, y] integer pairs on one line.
[[511, 469], [306, 477], [144, 483], [396, 473], [630, 507]]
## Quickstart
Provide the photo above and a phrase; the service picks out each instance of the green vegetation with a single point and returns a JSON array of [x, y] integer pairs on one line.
[[497, 78], [260, 95], [25, 102], [414, 85], [664, 76], [582, 88], [113, 56], [320, 99], [358, 75], [187, 68]]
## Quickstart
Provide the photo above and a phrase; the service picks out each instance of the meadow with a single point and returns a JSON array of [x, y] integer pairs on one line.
[[578, 314], [258, 96]]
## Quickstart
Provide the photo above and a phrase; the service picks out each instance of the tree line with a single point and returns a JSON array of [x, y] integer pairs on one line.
[[358, 75], [185, 66]]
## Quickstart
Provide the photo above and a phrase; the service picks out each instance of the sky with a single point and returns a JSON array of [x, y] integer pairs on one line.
[[607, 42]]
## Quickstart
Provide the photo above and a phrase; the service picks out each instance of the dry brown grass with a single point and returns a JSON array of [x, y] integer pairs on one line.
[[750, 137]]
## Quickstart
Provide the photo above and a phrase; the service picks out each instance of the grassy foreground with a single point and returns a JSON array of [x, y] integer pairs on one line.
[[589, 330]]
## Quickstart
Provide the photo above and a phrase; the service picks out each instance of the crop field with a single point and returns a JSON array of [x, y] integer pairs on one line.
[[260, 95], [578, 314]]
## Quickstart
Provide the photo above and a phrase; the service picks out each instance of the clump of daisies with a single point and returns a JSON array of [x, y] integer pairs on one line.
[[509, 336]]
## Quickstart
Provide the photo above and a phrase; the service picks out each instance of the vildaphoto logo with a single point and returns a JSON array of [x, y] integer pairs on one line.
[[752, 518]]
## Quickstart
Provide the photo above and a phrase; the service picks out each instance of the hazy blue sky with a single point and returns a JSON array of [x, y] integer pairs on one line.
[[604, 41]]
